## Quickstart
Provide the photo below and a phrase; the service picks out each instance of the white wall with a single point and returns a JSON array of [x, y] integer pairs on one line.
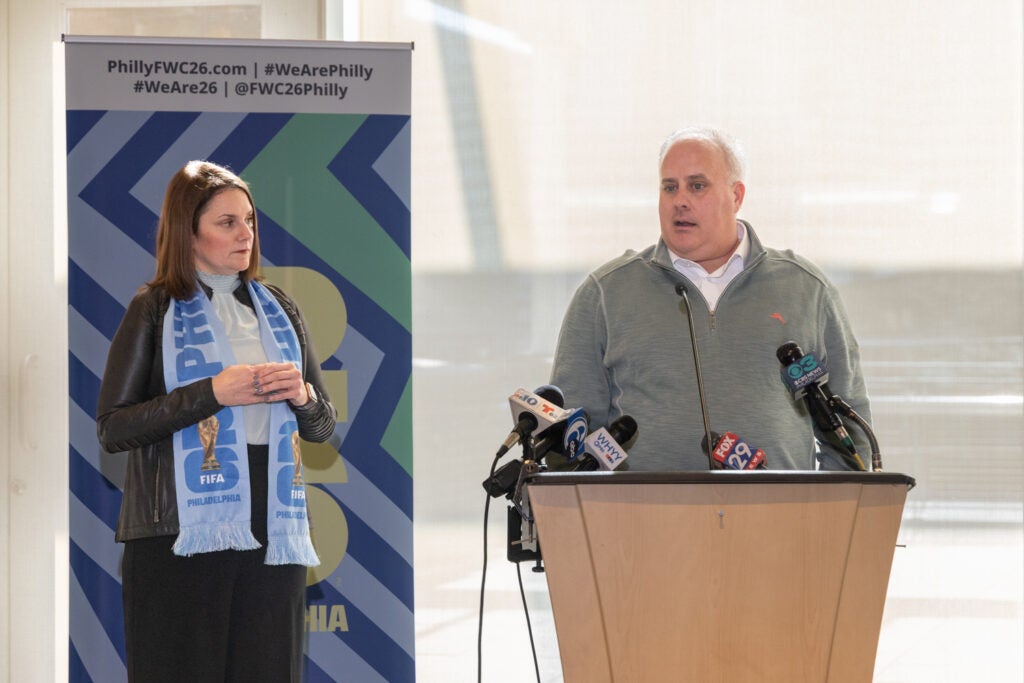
[[33, 322], [4, 332], [33, 335]]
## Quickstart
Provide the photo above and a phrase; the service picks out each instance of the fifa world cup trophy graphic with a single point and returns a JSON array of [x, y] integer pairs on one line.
[[297, 457], [208, 429]]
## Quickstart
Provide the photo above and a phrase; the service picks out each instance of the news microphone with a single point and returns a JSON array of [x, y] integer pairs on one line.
[[565, 437], [681, 291], [807, 377], [733, 453], [603, 449], [533, 412]]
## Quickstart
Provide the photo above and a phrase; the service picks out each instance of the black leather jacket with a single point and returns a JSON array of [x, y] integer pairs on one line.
[[136, 414]]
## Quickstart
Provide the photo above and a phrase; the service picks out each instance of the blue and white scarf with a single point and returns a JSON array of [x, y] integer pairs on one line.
[[211, 463]]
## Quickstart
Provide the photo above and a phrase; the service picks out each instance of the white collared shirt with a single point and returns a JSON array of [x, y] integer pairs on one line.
[[711, 285]]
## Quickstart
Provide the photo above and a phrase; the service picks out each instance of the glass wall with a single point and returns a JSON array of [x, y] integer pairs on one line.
[[884, 143]]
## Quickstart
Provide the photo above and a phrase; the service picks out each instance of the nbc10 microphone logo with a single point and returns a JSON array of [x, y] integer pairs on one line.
[[537, 404], [524, 396]]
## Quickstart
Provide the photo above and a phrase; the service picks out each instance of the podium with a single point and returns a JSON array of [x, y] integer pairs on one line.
[[721, 576]]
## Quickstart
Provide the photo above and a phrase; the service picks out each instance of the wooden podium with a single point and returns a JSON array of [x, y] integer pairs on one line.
[[723, 576]]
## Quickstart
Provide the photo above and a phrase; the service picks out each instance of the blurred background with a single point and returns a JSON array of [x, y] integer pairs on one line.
[[884, 142]]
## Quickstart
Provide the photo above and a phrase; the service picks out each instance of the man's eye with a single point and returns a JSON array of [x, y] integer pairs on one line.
[[698, 186], [669, 188]]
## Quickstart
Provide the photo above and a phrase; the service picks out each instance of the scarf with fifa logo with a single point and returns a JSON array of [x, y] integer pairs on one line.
[[211, 464]]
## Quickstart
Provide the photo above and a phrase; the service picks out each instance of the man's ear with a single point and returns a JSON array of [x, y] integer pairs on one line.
[[739, 190]]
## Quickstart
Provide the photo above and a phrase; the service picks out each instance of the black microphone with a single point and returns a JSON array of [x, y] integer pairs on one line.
[[533, 412], [681, 291], [807, 378], [603, 449]]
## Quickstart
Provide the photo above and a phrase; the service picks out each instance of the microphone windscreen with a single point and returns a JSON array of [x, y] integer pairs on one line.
[[789, 353], [551, 394], [715, 436], [623, 429]]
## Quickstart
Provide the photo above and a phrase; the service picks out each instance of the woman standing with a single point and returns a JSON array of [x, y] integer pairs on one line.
[[210, 381]]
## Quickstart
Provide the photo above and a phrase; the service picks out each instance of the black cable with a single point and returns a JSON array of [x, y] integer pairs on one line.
[[526, 611], [847, 410], [483, 582]]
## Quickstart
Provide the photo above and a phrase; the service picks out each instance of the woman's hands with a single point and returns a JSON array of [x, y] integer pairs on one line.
[[241, 385]]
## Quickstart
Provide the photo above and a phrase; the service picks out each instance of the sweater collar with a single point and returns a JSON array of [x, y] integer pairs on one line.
[[663, 257]]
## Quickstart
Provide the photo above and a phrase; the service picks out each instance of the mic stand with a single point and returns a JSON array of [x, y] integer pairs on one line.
[[843, 407], [681, 291], [523, 543], [530, 467]]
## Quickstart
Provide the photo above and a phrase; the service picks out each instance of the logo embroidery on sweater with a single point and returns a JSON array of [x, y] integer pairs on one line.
[[778, 316]]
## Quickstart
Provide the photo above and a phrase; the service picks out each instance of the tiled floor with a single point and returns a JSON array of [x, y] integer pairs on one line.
[[954, 613]]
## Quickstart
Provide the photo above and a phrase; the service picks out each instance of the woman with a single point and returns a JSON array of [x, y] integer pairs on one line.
[[210, 380]]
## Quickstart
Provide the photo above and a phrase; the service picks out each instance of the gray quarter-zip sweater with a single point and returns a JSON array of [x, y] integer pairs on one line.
[[624, 349]]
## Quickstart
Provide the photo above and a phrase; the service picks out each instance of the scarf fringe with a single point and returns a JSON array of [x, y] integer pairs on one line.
[[291, 549], [208, 538]]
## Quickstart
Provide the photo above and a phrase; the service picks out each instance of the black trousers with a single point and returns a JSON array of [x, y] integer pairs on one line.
[[214, 617]]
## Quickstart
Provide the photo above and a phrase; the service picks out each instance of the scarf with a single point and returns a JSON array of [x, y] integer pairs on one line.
[[211, 463]]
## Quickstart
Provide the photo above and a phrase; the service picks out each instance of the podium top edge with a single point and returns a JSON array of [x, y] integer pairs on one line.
[[720, 477]]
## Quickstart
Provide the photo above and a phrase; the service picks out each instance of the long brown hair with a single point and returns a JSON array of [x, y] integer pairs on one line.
[[188, 193]]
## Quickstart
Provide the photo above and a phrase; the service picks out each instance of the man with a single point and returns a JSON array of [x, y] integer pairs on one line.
[[624, 347]]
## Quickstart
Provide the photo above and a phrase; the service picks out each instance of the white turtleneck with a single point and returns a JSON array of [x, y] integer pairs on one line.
[[243, 330]]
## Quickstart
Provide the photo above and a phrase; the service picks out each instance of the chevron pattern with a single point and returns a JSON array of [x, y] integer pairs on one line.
[[332, 192]]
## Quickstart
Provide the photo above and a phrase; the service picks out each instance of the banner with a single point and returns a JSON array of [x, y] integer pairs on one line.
[[321, 132]]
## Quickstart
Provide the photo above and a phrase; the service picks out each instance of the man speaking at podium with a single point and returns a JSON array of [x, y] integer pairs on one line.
[[625, 343]]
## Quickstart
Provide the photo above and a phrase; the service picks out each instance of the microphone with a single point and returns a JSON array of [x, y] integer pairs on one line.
[[533, 412], [564, 437], [602, 448], [733, 453], [681, 291], [576, 425], [807, 378]]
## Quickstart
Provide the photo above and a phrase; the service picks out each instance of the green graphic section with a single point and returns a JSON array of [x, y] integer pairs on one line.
[[397, 439], [293, 186]]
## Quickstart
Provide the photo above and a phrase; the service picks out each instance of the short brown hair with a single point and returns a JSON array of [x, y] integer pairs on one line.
[[188, 193]]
